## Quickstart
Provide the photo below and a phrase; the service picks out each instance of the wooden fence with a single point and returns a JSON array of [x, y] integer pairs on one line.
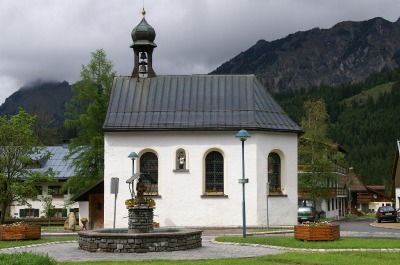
[[37, 221]]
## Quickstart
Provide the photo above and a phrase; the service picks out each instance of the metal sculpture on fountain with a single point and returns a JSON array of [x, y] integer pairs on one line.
[[140, 216]]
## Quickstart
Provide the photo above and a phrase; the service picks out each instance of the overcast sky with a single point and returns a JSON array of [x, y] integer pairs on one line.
[[52, 39]]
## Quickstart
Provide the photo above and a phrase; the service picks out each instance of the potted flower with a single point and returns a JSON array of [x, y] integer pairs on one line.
[[310, 231], [84, 221], [214, 191], [275, 191], [19, 231], [130, 202]]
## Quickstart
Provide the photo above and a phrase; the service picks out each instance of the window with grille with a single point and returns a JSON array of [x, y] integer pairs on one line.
[[56, 191], [274, 172], [149, 165], [214, 173], [29, 212]]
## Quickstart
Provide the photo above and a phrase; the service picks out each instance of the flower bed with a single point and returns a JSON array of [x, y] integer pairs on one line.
[[317, 232], [19, 232]]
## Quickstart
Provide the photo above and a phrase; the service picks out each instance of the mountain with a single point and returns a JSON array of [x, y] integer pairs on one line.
[[45, 97], [346, 53]]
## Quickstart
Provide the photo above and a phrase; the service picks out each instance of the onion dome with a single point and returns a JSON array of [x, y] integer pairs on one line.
[[143, 33]]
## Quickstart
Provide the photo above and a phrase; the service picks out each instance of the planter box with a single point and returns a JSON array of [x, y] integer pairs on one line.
[[316, 233], [20, 232]]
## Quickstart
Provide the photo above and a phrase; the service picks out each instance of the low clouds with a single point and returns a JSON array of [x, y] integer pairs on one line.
[[52, 39]]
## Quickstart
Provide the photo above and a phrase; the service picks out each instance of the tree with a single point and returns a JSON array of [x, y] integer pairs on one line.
[[85, 114], [18, 146], [315, 124], [48, 207], [317, 154]]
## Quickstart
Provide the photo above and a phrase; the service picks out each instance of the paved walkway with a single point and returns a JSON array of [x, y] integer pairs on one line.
[[68, 251]]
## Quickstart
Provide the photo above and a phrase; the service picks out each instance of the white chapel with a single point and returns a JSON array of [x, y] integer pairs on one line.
[[182, 128]]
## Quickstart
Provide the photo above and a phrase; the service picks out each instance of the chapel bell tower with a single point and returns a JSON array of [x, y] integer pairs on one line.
[[143, 36]]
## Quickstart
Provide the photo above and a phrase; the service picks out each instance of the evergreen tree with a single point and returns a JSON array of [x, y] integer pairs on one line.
[[85, 114]]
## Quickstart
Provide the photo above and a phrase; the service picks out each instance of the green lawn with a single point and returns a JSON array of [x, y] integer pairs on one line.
[[342, 243], [293, 258], [334, 258], [57, 227], [10, 244]]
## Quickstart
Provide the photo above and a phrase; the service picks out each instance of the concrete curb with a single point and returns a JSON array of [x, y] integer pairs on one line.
[[386, 225]]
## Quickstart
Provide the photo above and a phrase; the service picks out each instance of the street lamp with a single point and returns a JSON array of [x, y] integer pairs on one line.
[[132, 156], [243, 135]]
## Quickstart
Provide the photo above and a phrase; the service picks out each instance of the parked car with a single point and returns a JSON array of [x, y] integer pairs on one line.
[[307, 213], [386, 213]]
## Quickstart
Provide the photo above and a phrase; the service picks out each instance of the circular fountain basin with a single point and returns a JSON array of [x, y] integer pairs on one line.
[[120, 241]]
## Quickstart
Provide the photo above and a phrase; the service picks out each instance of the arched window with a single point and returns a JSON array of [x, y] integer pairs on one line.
[[149, 165], [214, 173], [274, 172]]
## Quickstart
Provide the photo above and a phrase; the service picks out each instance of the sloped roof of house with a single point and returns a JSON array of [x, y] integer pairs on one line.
[[194, 102], [83, 195], [56, 161], [376, 188], [357, 185]]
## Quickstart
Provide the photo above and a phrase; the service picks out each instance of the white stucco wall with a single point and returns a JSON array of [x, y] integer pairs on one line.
[[397, 198], [83, 211], [181, 202], [58, 203]]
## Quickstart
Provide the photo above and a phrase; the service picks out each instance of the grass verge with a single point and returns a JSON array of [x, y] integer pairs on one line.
[[57, 227], [337, 258], [20, 243], [342, 243], [26, 258]]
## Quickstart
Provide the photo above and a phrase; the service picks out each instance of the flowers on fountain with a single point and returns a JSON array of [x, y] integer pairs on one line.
[[150, 202], [130, 202]]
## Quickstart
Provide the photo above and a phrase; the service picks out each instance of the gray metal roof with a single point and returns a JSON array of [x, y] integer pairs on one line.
[[194, 102], [61, 167]]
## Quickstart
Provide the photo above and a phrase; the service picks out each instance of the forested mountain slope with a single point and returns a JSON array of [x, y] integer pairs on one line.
[[364, 118]]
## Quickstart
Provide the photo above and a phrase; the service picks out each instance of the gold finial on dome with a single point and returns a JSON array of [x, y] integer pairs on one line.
[[143, 12]]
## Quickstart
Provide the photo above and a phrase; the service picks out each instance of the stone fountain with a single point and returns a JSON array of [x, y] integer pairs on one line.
[[140, 236]]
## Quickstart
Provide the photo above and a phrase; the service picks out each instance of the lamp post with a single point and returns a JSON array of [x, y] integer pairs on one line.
[[132, 156], [243, 135]]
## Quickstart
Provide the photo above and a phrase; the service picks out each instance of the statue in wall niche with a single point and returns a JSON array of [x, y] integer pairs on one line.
[[181, 160], [140, 190]]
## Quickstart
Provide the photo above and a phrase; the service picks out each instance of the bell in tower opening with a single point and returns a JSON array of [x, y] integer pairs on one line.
[[143, 36]]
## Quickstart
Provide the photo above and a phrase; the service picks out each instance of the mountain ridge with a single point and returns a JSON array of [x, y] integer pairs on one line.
[[40, 96], [348, 52]]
